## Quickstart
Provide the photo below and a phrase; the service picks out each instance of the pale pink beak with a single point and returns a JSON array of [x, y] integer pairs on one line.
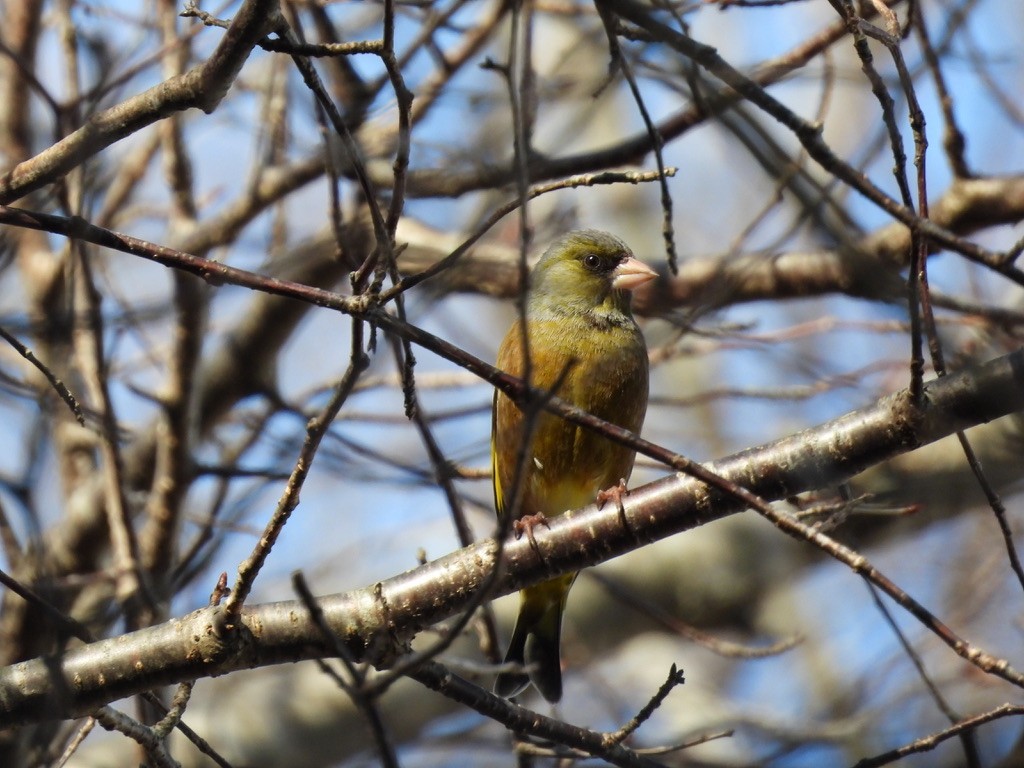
[[631, 273]]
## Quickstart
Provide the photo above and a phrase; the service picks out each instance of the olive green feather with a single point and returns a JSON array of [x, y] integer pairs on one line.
[[581, 333]]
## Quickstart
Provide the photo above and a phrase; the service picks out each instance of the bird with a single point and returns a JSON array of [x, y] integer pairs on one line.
[[585, 347]]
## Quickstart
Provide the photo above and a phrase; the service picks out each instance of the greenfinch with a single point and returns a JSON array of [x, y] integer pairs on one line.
[[585, 346]]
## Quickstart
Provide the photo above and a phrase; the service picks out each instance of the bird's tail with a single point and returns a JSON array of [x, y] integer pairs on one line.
[[512, 683], [536, 641]]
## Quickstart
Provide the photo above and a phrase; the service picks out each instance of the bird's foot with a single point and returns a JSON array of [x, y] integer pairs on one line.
[[616, 493], [526, 524]]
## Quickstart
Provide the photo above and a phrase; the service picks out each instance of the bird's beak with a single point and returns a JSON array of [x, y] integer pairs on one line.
[[631, 273]]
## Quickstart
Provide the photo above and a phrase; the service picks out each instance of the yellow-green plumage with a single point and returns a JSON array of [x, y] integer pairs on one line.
[[579, 328]]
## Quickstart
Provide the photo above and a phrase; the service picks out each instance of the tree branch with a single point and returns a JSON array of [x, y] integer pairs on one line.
[[376, 623], [202, 87]]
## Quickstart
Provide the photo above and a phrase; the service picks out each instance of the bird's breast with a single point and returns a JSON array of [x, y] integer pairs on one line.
[[602, 372]]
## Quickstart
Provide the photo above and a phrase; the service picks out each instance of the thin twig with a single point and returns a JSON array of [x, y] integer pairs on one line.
[[315, 431], [58, 386], [930, 742], [967, 737], [363, 698]]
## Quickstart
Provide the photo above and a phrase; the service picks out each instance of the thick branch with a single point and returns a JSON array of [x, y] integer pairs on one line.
[[870, 271], [376, 623], [203, 87]]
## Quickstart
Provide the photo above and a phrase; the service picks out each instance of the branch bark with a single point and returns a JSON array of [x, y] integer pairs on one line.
[[377, 623], [202, 87]]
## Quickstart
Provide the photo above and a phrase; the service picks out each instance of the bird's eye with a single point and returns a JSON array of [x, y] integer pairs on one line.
[[592, 261]]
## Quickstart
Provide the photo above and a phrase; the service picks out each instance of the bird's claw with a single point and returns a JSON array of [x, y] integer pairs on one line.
[[616, 493], [526, 524]]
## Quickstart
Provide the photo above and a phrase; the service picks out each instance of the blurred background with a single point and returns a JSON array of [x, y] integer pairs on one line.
[[783, 305]]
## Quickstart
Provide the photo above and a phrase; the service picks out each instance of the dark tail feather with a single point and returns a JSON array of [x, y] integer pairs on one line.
[[509, 684], [543, 654], [534, 647]]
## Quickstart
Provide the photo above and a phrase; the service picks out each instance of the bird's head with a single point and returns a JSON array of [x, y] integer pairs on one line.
[[586, 272]]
